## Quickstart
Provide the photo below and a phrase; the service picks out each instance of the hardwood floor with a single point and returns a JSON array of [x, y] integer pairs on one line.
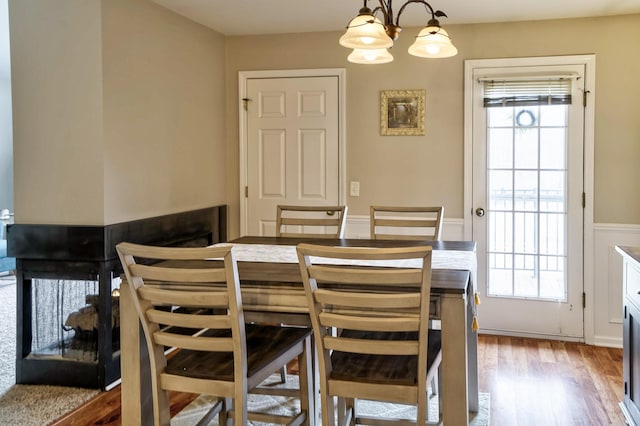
[[542, 382], [531, 382]]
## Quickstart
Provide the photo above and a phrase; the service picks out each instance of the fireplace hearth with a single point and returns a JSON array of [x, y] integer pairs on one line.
[[68, 280]]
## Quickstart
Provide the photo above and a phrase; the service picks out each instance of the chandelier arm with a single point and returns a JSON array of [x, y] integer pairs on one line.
[[426, 5], [386, 10]]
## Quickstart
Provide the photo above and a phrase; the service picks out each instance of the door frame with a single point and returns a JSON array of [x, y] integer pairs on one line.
[[243, 76], [589, 61]]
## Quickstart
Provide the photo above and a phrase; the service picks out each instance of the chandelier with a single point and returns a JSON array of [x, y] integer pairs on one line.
[[370, 38]]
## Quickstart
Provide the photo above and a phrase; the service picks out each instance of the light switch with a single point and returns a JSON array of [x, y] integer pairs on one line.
[[355, 188]]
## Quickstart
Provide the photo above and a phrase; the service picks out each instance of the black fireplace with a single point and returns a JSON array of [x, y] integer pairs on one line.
[[68, 292]]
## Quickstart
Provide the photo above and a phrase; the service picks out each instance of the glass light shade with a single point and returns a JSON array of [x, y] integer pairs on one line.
[[370, 56], [364, 34], [433, 42]]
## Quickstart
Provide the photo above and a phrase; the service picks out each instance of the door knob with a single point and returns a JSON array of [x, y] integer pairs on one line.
[[479, 212]]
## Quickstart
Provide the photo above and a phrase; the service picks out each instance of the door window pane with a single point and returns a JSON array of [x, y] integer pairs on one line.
[[500, 274], [501, 148], [526, 148], [527, 202], [501, 189], [526, 190], [525, 233], [552, 193], [553, 115], [500, 117], [552, 148], [501, 239], [552, 234]]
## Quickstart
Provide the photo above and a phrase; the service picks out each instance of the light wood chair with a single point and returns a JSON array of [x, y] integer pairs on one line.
[[421, 223], [385, 350], [189, 304], [311, 221], [425, 222]]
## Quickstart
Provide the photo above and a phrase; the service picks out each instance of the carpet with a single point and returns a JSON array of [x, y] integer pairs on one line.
[[27, 405], [194, 411], [7, 332], [37, 405]]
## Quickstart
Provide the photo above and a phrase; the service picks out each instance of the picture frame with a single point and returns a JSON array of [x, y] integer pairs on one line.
[[402, 112]]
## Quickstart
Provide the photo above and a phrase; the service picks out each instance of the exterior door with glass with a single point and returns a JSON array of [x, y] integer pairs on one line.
[[528, 198]]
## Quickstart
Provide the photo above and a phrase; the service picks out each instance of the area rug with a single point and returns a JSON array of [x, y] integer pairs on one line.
[[27, 405], [192, 413]]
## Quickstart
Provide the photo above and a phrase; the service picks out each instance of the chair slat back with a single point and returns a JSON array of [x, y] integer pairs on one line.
[[179, 293], [311, 221], [368, 289], [406, 222], [189, 303], [377, 300]]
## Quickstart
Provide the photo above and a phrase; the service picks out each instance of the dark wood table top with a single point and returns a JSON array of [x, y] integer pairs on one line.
[[442, 280], [352, 242]]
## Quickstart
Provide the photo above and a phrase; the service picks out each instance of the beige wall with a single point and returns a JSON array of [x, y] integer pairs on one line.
[[164, 112], [429, 169], [57, 111], [119, 111]]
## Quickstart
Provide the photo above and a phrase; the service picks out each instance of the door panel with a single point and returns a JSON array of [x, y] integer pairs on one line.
[[313, 169], [292, 146]]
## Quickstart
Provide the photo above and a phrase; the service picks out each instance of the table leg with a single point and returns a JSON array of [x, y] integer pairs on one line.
[[472, 358], [454, 392]]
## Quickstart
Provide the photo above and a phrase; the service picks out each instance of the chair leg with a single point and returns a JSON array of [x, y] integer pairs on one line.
[[223, 416], [161, 407], [239, 410], [283, 374], [342, 411], [328, 410], [307, 386], [439, 396]]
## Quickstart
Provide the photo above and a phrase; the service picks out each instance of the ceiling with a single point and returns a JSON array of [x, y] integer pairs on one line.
[[250, 17]]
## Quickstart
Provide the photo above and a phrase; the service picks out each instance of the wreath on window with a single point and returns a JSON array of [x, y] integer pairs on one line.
[[525, 118]]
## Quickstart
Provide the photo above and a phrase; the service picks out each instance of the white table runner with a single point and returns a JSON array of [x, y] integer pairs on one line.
[[440, 259]]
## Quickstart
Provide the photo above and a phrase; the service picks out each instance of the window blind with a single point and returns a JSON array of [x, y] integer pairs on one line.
[[552, 91]]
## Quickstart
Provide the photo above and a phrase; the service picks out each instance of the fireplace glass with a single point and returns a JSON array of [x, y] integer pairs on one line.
[[65, 319]]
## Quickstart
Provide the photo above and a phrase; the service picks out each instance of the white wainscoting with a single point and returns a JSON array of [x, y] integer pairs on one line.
[[607, 280], [358, 227]]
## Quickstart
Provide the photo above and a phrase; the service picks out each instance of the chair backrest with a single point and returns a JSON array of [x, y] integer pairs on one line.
[[203, 283], [420, 223], [311, 221], [348, 289]]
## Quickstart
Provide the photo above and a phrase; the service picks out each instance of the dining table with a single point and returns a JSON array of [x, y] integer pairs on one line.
[[272, 292]]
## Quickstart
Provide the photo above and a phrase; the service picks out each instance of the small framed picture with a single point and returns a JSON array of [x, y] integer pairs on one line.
[[402, 112]]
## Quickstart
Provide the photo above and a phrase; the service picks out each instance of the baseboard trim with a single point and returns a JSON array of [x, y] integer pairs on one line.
[[539, 336]]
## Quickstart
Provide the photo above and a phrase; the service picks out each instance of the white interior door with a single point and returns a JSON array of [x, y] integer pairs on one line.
[[293, 152], [528, 207]]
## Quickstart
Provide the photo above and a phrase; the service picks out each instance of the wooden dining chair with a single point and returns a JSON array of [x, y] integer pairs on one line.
[[379, 300], [189, 304], [311, 221], [406, 223]]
